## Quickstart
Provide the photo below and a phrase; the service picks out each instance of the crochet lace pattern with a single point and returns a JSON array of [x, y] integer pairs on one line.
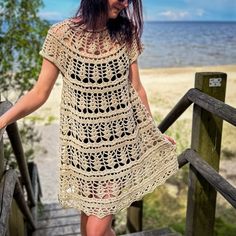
[[112, 152]]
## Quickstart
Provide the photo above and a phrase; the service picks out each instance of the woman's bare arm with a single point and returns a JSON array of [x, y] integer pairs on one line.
[[36, 97], [135, 80]]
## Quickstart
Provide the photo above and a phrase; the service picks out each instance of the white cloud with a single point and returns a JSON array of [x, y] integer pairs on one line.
[[200, 12], [212, 5], [177, 14], [50, 15], [174, 15]]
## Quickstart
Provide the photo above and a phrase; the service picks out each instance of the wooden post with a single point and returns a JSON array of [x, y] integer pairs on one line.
[[206, 140], [134, 217], [2, 164], [16, 221], [2, 167], [33, 171]]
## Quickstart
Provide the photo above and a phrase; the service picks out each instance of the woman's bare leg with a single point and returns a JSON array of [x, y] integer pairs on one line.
[[99, 227], [110, 231], [83, 223], [95, 226]]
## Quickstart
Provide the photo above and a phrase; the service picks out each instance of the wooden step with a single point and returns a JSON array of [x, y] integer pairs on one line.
[[56, 221], [154, 232]]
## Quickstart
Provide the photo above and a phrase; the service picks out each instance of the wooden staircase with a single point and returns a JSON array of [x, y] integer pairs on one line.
[[20, 193], [154, 232], [55, 221]]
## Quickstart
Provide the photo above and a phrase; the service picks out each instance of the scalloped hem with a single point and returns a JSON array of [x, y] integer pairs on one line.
[[73, 203]]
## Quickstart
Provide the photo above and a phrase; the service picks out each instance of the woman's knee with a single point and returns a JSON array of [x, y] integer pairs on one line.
[[98, 227]]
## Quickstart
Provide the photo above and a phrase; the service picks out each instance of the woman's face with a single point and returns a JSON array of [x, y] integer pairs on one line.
[[115, 7]]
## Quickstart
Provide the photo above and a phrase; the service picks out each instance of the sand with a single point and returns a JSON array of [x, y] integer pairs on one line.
[[164, 88]]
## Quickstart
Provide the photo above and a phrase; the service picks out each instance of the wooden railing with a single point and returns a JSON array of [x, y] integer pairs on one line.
[[12, 187], [203, 157]]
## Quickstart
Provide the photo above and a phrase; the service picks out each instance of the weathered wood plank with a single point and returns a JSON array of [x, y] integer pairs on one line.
[[19, 197], [15, 140], [7, 187], [206, 140], [16, 221], [54, 206], [175, 113], [213, 105], [227, 190], [135, 217], [2, 160], [55, 220], [70, 229], [209, 103], [182, 160], [57, 213], [59, 221], [151, 233], [4, 107], [33, 172], [155, 232]]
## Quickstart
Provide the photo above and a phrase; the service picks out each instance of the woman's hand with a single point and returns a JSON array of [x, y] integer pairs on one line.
[[170, 139]]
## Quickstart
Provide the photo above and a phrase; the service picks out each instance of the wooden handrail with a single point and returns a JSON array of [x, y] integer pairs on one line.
[[10, 187], [19, 197], [227, 190], [15, 140], [175, 113], [7, 187], [182, 159], [213, 105], [36, 188], [4, 106], [211, 175], [209, 103]]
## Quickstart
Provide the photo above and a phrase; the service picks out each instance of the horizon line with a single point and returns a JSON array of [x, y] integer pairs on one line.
[[163, 21]]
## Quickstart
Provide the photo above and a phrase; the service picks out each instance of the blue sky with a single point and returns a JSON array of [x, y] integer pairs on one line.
[[161, 10]]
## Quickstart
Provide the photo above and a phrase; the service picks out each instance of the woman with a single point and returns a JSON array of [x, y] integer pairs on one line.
[[112, 153]]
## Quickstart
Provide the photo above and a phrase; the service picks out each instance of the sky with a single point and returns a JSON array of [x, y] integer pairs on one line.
[[156, 10]]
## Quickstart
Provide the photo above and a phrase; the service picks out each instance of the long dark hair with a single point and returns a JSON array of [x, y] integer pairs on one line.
[[128, 24]]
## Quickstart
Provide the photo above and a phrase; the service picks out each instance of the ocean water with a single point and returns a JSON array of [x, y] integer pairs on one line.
[[180, 44]]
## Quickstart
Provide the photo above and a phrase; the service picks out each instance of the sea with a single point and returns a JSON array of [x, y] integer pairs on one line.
[[188, 43], [183, 44]]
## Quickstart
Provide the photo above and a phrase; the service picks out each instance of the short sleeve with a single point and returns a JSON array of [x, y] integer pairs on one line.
[[50, 49], [134, 51]]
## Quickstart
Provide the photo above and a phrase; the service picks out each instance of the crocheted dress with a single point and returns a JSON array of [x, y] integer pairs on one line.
[[111, 151]]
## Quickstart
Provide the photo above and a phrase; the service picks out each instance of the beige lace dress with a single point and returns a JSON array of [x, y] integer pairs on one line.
[[111, 151]]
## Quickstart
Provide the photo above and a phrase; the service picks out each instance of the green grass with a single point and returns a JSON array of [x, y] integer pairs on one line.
[[41, 119]]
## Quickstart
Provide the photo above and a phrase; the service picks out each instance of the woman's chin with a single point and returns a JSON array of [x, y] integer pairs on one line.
[[113, 15]]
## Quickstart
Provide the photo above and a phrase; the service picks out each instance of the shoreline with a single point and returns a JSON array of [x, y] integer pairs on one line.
[[190, 69], [165, 86]]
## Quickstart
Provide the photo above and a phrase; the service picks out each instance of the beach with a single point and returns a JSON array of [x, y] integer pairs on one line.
[[164, 87]]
